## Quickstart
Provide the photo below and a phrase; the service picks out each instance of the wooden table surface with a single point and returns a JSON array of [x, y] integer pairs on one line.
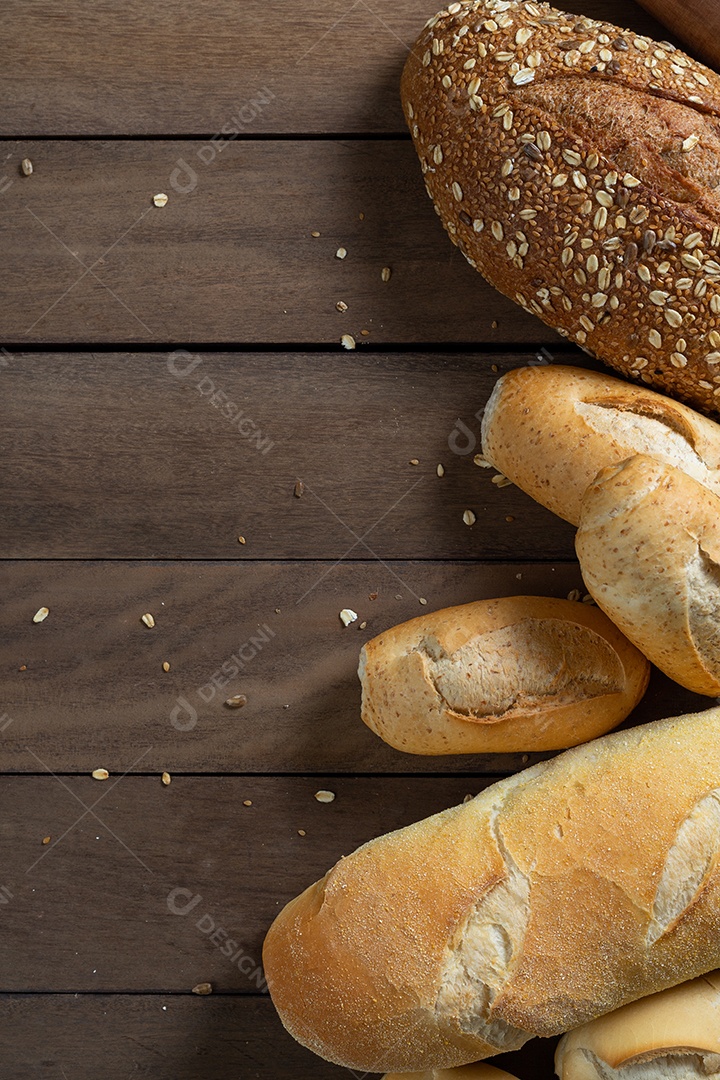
[[168, 375]]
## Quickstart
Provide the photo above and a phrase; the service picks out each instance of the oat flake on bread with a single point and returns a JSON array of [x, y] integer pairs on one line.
[[577, 167]]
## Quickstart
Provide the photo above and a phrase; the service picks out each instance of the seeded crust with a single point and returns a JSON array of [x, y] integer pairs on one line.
[[577, 166], [517, 673], [683, 1022]]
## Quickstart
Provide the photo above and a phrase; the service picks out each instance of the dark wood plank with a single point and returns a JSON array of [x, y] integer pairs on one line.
[[128, 895], [329, 65], [88, 257], [167, 1037], [94, 691], [115, 456]]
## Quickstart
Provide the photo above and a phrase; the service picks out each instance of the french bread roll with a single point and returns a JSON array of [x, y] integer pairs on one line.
[[465, 1072], [649, 551], [673, 1035], [556, 895], [552, 429], [577, 166], [519, 673]]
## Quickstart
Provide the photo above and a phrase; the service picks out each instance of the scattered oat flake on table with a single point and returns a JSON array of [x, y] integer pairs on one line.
[[347, 615], [315, 233], [341, 253], [482, 462], [440, 470], [166, 778], [341, 305], [301, 832], [325, 796], [41, 614], [247, 802], [414, 461], [363, 625], [372, 596], [386, 273], [242, 540], [365, 333], [23, 667], [100, 774], [468, 798], [501, 481], [147, 619], [160, 199], [469, 517], [347, 341], [46, 839], [574, 594], [299, 489], [587, 599], [202, 989], [422, 600], [26, 166], [236, 702], [166, 666]]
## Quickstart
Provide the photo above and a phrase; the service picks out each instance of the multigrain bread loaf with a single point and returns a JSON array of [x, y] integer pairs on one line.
[[554, 896], [465, 1072], [518, 673], [649, 551], [552, 429], [673, 1035], [577, 167]]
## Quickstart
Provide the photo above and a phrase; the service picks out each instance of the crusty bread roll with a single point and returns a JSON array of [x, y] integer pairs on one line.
[[649, 551], [552, 429], [576, 165], [673, 1035], [519, 673], [556, 895], [465, 1072]]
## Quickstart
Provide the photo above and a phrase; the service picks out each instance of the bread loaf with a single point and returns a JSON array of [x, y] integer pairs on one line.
[[519, 673], [673, 1035], [552, 429], [577, 167], [465, 1072], [649, 551], [554, 896]]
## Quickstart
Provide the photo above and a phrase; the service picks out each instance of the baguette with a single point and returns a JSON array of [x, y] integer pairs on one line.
[[466, 1072], [649, 551], [552, 429], [556, 895], [576, 165], [674, 1034], [519, 673]]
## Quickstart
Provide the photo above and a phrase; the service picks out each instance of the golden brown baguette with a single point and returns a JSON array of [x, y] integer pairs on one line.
[[576, 165], [552, 429], [554, 896], [649, 551], [673, 1035], [518, 673], [465, 1072]]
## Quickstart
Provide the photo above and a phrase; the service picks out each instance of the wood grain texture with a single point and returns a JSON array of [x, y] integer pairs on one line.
[[175, 68], [115, 456], [231, 258], [695, 22], [131, 890], [94, 691], [168, 1037]]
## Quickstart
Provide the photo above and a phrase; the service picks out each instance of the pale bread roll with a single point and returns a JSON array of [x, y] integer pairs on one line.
[[673, 1035], [519, 673], [465, 1072], [649, 551], [552, 429], [556, 895]]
